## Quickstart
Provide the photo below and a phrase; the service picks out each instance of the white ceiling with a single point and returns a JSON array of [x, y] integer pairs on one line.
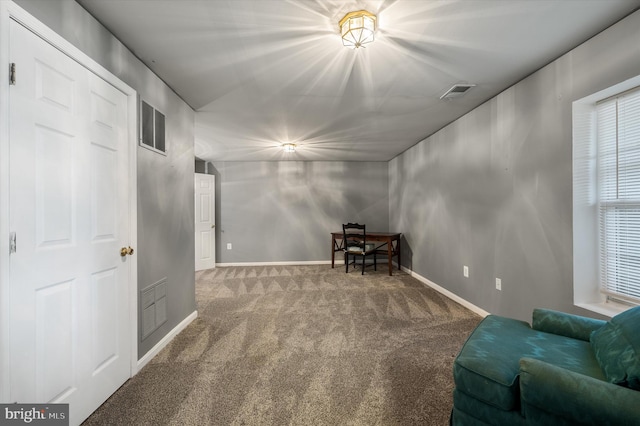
[[260, 73]]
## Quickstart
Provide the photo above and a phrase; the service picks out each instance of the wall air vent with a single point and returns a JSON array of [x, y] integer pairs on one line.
[[457, 90]]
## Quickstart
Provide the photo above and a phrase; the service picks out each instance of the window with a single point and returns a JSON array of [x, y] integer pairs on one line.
[[152, 131], [618, 194]]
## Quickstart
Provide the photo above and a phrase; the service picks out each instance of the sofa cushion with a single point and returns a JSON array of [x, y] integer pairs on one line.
[[487, 367], [617, 348]]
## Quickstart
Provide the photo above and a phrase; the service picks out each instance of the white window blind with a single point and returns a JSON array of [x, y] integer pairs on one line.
[[618, 136]]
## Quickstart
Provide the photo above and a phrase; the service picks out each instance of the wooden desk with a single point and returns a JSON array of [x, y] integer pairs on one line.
[[391, 239]]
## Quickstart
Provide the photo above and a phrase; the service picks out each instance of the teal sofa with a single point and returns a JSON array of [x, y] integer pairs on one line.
[[562, 369]]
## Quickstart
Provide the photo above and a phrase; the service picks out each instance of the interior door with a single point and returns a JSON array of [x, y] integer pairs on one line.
[[69, 319], [205, 221]]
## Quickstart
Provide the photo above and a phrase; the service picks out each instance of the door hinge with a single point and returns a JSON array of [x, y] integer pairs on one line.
[[12, 242], [12, 74]]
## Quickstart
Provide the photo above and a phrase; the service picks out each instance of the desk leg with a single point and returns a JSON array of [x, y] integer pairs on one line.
[[399, 253], [390, 255]]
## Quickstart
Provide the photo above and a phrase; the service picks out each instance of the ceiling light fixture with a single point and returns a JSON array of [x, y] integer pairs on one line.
[[356, 28], [289, 147]]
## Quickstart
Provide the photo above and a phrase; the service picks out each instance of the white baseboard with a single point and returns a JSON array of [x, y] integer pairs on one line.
[[447, 293], [165, 340], [293, 263]]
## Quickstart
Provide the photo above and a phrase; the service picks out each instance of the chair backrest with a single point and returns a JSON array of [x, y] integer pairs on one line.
[[354, 234]]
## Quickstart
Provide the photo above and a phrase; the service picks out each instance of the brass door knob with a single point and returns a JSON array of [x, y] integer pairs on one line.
[[126, 251]]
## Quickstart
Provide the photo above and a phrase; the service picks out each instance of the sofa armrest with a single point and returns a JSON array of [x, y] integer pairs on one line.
[[577, 398], [564, 324]]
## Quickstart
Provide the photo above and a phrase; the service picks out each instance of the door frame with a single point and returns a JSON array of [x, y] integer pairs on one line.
[[11, 11]]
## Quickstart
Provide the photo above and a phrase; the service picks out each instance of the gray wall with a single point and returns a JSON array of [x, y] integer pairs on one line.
[[493, 190], [165, 183], [285, 211]]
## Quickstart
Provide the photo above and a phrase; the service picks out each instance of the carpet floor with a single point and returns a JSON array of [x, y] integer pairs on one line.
[[302, 345]]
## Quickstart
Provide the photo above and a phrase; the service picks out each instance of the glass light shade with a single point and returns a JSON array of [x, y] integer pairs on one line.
[[289, 147], [357, 28]]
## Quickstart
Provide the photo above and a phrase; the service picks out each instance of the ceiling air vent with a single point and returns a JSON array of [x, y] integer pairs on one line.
[[457, 90]]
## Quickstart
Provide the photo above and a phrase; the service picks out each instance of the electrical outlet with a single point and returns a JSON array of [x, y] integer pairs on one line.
[[229, 246], [498, 284], [465, 271]]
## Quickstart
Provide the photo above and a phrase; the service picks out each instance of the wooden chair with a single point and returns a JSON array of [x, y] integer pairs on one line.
[[354, 241]]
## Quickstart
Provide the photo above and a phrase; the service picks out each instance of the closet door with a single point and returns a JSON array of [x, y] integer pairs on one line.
[[69, 284]]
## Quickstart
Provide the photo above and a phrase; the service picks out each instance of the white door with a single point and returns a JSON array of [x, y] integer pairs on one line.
[[205, 221], [69, 319]]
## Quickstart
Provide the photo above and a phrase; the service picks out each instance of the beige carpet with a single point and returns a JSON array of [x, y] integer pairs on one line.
[[302, 345]]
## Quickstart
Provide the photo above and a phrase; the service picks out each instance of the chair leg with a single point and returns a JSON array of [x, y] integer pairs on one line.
[[363, 257], [346, 262]]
